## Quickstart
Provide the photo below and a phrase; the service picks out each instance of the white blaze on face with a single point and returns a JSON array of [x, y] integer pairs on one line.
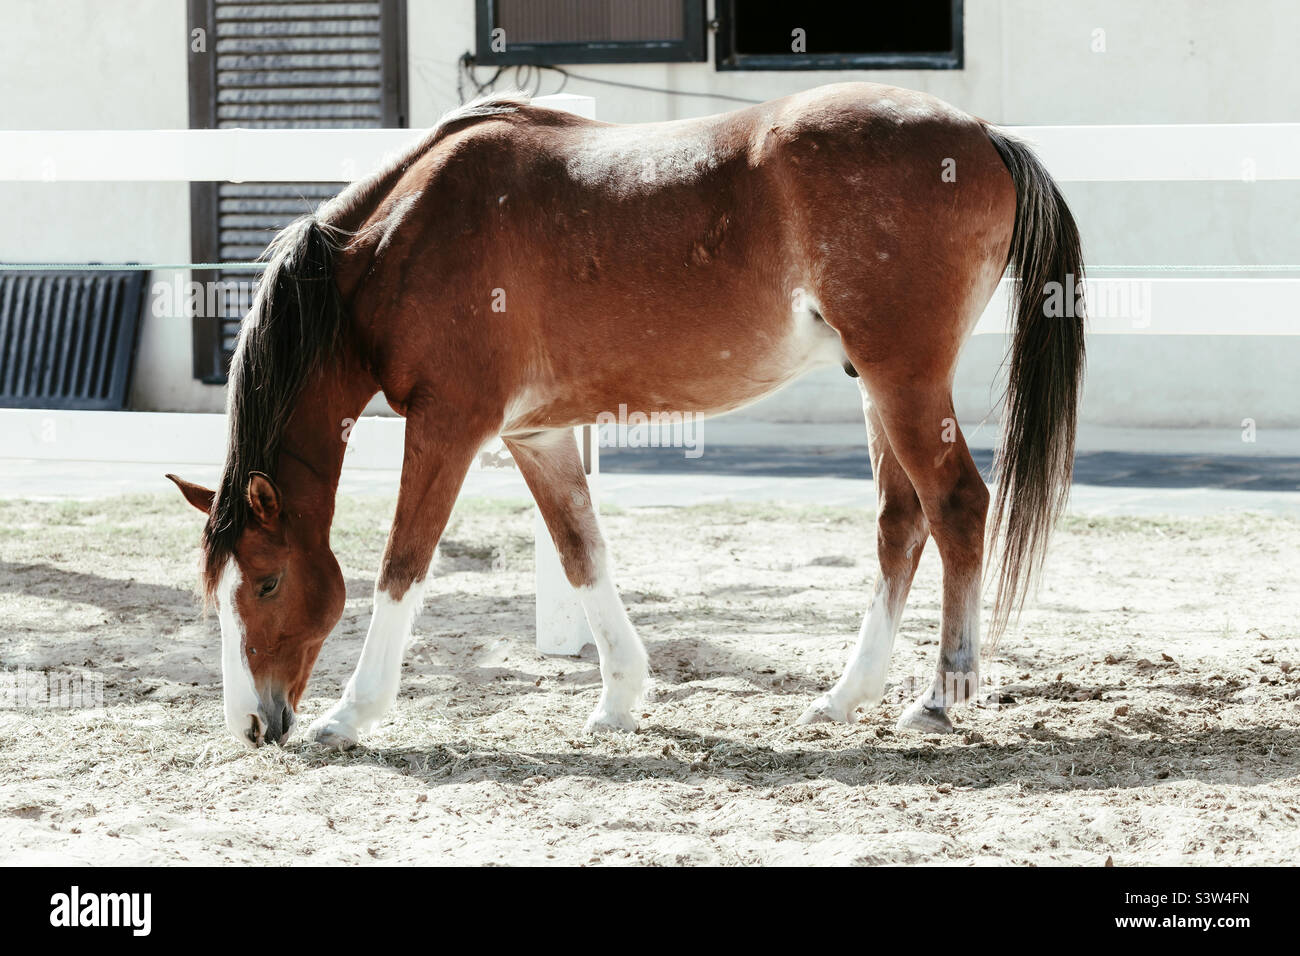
[[236, 679]]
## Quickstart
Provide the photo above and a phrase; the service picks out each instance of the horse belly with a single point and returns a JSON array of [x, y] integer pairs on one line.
[[727, 366], [739, 380]]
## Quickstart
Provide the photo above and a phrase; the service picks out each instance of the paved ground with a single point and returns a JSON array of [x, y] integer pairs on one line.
[[1103, 468], [1119, 483]]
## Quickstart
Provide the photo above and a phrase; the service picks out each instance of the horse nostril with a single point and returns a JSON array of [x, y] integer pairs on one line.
[[254, 731], [279, 719]]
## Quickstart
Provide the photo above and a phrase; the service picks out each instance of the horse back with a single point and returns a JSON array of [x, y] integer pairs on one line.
[[525, 242]]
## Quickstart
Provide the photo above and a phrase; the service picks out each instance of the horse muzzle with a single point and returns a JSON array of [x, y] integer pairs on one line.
[[270, 724]]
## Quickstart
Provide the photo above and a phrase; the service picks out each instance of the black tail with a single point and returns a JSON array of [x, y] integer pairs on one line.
[[295, 322], [1035, 460]]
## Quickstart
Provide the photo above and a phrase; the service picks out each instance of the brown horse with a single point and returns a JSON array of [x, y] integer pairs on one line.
[[522, 270]]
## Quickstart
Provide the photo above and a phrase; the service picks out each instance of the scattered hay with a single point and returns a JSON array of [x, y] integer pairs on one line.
[[1145, 709]]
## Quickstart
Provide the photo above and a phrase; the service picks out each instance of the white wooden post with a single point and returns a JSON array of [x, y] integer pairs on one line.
[[561, 623]]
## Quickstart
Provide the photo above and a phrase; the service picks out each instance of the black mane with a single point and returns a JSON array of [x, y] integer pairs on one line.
[[296, 320]]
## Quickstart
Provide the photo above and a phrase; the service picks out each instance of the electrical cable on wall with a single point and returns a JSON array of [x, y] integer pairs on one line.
[[528, 78]]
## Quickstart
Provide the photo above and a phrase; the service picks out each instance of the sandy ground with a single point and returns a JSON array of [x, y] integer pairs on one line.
[[1150, 706]]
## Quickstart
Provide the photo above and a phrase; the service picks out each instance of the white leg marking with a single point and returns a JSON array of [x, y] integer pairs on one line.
[[624, 667], [238, 691], [372, 689], [863, 681]]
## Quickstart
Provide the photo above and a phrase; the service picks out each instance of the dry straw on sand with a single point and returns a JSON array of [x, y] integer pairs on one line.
[[1150, 708]]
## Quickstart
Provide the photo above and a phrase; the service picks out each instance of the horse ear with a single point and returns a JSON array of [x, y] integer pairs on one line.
[[263, 498], [196, 495]]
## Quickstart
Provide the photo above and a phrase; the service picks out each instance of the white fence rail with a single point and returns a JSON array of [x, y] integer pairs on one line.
[[224, 155], [1223, 152], [1181, 306], [1227, 152]]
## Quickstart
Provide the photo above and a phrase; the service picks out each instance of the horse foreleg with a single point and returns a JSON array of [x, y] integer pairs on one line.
[[900, 537], [552, 467], [436, 458]]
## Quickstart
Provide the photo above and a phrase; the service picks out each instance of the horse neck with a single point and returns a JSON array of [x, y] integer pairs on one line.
[[315, 440]]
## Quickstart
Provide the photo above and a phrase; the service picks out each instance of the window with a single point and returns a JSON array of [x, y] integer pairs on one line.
[[272, 64], [546, 32], [868, 35]]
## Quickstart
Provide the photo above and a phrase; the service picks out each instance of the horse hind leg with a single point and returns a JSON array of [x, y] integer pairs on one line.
[[552, 467], [900, 538], [923, 434]]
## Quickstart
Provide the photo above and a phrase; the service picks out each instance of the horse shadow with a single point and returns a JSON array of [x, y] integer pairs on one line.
[[1047, 762], [1042, 759], [118, 595]]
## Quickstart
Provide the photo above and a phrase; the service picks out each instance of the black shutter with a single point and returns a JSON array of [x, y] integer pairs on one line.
[[67, 340], [280, 65]]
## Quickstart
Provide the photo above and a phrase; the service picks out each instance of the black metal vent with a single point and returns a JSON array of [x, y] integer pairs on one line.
[[281, 65], [67, 340]]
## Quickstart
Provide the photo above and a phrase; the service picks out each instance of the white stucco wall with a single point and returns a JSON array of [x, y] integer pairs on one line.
[[104, 64], [122, 64]]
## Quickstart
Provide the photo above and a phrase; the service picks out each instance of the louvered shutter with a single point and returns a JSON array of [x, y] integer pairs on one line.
[[282, 65], [67, 340]]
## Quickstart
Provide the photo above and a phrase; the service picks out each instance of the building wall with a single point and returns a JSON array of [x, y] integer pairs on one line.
[[122, 64], [104, 64]]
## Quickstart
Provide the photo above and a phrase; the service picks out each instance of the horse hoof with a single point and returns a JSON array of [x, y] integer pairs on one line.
[[334, 734], [924, 720], [604, 721], [822, 711]]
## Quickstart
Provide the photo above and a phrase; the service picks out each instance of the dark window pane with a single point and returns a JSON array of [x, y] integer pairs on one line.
[[765, 27]]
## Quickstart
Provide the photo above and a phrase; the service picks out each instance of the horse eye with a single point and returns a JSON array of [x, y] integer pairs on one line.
[[267, 587]]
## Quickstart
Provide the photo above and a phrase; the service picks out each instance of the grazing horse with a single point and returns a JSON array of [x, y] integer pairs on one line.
[[522, 270]]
